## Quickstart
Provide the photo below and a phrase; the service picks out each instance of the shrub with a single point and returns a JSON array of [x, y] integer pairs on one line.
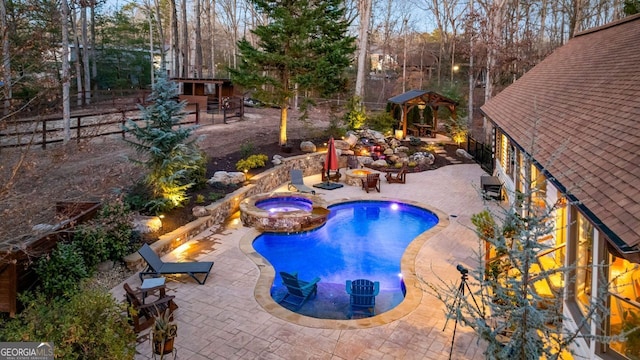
[[109, 236], [90, 325], [89, 240], [199, 199], [414, 141], [115, 220], [252, 162], [356, 115], [61, 271], [246, 150], [382, 121], [215, 196]]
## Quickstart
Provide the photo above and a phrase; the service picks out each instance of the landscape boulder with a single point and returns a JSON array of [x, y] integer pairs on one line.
[[199, 211], [227, 178], [463, 154], [307, 147], [146, 224]]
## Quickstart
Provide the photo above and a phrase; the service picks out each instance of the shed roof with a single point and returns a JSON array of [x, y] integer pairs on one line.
[[580, 108]]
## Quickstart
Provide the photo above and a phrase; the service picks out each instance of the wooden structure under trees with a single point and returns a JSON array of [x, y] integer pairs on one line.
[[422, 99], [195, 91]]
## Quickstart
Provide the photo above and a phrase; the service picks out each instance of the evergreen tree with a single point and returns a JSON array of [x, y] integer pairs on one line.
[[171, 155], [303, 48], [514, 308]]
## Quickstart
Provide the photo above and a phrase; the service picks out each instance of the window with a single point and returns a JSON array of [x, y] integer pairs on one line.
[[584, 259], [624, 289]]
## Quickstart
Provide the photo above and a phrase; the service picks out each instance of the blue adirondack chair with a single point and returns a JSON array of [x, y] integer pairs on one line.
[[298, 291], [362, 296]]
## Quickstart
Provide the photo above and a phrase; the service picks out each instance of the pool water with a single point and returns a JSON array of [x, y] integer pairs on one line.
[[362, 239], [285, 204]]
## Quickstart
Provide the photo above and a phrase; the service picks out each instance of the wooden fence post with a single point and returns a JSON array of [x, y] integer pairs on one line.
[[44, 133], [78, 130]]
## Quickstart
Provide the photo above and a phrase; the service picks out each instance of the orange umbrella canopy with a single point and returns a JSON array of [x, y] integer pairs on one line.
[[331, 162]]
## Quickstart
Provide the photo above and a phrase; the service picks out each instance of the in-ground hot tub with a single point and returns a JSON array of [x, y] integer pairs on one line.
[[283, 212]]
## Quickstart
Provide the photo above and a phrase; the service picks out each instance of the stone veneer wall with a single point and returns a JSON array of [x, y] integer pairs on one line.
[[219, 211]]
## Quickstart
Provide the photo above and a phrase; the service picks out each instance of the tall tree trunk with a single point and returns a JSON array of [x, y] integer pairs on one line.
[[198, 43], [151, 69], [472, 78], [6, 59], [85, 54], [364, 7], [92, 53], [185, 42], [66, 83], [211, 15], [175, 48], [77, 63], [160, 33]]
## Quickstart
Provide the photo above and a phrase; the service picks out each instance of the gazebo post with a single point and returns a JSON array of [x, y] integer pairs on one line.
[[404, 121]]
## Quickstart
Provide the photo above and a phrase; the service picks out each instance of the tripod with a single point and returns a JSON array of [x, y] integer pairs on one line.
[[457, 301]]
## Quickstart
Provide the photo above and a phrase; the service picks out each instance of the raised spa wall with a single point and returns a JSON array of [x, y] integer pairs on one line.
[[219, 211]]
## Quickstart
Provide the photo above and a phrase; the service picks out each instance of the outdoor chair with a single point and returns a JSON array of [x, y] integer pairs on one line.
[[142, 312], [352, 162], [371, 182], [333, 176], [297, 182], [399, 177], [362, 298], [298, 291], [156, 267]]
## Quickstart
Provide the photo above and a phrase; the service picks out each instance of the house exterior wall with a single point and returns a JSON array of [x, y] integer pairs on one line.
[[579, 246]]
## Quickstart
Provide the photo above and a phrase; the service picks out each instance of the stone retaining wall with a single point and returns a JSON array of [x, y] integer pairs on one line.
[[222, 209]]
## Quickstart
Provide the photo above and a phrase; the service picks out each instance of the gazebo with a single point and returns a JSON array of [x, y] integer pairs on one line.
[[422, 99]]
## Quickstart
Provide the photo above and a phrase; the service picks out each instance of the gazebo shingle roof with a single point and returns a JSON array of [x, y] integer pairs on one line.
[[580, 108]]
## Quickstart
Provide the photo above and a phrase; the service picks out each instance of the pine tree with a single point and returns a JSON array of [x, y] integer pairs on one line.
[[507, 310], [303, 48], [170, 153]]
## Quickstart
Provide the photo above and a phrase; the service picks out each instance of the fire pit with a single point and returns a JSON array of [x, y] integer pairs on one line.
[[354, 177]]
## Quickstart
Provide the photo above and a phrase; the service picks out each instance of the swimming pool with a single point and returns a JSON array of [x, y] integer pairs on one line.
[[361, 239]]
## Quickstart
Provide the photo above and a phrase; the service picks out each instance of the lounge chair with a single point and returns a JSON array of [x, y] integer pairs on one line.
[[298, 291], [399, 177], [297, 182], [141, 312], [157, 267], [371, 182], [362, 296]]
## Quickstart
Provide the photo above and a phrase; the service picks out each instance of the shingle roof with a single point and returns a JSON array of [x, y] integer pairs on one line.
[[582, 106]]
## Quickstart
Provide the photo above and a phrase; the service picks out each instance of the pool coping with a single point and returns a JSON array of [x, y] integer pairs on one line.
[[413, 297]]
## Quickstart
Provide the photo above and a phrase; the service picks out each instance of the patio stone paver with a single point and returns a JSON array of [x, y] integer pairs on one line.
[[222, 319]]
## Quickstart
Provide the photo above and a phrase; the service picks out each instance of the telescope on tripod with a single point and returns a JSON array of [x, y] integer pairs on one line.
[[457, 301]]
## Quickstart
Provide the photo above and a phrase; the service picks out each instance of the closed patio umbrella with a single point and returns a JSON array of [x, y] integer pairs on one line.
[[330, 163]]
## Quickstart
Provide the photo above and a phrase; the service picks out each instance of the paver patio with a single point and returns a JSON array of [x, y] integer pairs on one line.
[[223, 320]]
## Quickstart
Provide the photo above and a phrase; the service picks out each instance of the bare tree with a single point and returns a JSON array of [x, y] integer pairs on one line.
[[66, 112], [198, 42], [6, 57], [185, 42], [85, 51], [174, 39], [364, 9]]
